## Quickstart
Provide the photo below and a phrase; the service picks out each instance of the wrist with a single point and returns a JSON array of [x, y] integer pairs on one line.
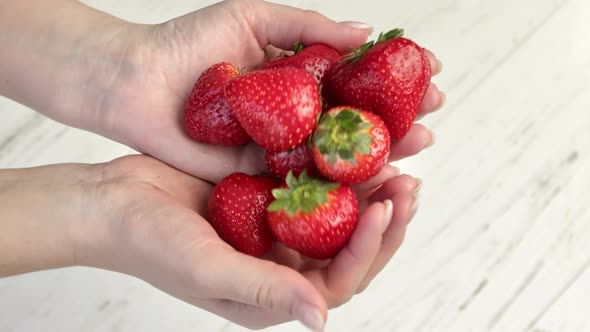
[[42, 212], [63, 59]]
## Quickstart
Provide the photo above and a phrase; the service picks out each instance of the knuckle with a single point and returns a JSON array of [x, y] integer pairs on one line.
[[313, 13], [364, 285], [239, 314], [263, 292], [243, 5], [339, 299]]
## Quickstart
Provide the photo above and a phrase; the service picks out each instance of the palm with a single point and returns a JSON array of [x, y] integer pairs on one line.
[[176, 55]]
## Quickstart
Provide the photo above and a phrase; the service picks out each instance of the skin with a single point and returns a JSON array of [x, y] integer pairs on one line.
[[145, 216], [136, 215]]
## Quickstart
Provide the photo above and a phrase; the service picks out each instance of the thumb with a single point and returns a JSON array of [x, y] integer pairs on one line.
[[281, 26], [267, 285]]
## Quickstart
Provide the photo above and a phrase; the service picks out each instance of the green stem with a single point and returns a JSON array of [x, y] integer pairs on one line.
[[358, 53]]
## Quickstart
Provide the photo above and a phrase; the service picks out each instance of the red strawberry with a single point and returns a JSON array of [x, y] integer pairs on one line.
[[237, 212], [350, 145], [316, 59], [277, 107], [388, 77], [207, 117], [280, 163], [313, 217]]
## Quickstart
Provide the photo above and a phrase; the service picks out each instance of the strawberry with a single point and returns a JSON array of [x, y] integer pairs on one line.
[[388, 77], [237, 212], [279, 163], [277, 107], [313, 217], [207, 116], [350, 145], [316, 59]]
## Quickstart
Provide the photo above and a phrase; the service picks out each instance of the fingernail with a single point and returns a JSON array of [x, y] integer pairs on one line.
[[310, 316], [358, 25], [388, 214], [432, 141], [414, 208], [418, 185]]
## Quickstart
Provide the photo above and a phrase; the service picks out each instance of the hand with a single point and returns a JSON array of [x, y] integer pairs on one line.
[[146, 102], [129, 82], [155, 217], [139, 216], [165, 240]]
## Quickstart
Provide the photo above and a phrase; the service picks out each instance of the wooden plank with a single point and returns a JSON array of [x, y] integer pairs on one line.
[[500, 243]]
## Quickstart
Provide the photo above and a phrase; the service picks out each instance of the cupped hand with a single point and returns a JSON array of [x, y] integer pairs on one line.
[[145, 103], [159, 233]]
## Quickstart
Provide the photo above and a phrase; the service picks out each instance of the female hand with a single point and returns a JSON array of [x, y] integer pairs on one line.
[[129, 82], [138, 216], [164, 238], [170, 56]]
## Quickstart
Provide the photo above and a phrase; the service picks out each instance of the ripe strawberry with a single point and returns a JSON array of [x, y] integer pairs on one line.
[[313, 217], [277, 107], [388, 77], [237, 212], [350, 145], [207, 117], [316, 59], [280, 163]]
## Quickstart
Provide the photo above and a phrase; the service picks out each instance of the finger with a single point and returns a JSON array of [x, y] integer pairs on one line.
[[186, 258], [417, 139], [400, 184], [392, 239], [261, 283], [364, 190], [208, 162], [194, 264], [433, 100], [339, 281], [402, 193], [281, 26], [271, 52], [246, 315], [435, 63]]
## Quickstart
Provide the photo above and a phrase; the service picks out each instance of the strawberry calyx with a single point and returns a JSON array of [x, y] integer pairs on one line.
[[358, 53], [298, 47], [343, 135], [303, 194]]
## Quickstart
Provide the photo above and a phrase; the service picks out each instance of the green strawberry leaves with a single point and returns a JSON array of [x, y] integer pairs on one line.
[[358, 53], [303, 194], [298, 47], [343, 135], [395, 33]]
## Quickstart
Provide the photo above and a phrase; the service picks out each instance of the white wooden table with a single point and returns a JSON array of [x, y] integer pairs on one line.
[[502, 239]]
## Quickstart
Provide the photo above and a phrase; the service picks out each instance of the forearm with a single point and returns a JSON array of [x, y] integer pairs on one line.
[[41, 210], [58, 57]]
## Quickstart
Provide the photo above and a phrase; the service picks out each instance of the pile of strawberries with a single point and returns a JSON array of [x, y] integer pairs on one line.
[[326, 120]]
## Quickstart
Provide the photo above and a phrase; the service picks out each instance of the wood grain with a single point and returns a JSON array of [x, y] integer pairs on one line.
[[501, 239]]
